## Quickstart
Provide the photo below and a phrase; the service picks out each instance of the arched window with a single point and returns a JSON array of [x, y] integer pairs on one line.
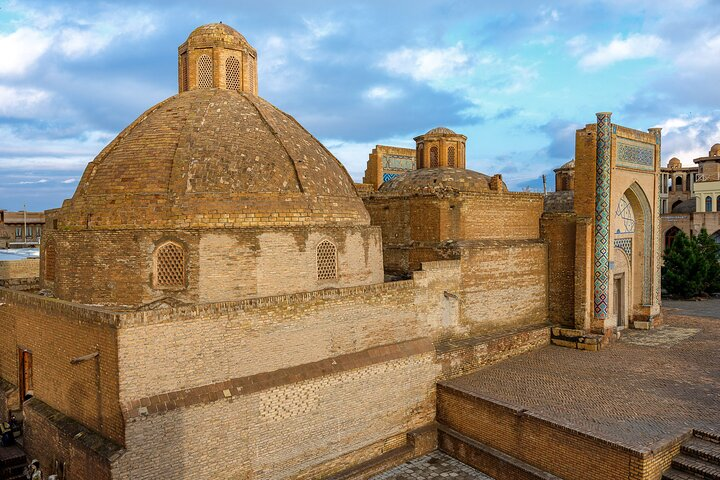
[[170, 266], [50, 262], [420, 156], [708, 204], [451, 156], [669, 184], [232, 73], [205, 71], [434, 157], [678, 183], [670, 236], [326, 255]]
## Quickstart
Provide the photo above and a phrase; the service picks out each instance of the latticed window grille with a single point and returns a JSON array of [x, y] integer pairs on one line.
[[184, 72], [451, 156], [232, 73], [251, 76], [326, 260], [434, 157], [50, 262], [205, 71], [170, 265]]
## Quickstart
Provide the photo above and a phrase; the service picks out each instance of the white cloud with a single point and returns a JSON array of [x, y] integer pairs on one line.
[[635, 46], [69, 180], [428, 64], [21, 49], [689, 137], [382, 93], [22, 102], [31, 182]]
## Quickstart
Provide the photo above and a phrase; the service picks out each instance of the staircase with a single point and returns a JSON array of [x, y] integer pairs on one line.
[[699, 458], [12, 463]]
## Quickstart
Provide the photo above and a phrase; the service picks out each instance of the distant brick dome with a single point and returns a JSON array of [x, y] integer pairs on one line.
[[440, 131], [214, 158], [715, 150], [437, 180], [212, 33], [674, 163]]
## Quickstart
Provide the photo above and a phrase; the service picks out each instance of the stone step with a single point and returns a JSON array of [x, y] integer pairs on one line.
[[696, 466], [673, 474], [705, 435], [703, 449]]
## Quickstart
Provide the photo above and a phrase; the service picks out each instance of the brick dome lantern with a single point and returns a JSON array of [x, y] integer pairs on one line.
[[212, 194]]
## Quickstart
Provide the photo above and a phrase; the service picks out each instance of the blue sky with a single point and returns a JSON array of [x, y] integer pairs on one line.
[[516, 77]]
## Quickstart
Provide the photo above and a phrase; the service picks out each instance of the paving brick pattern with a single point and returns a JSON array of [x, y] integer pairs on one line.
[[643, 389], [435, 465]]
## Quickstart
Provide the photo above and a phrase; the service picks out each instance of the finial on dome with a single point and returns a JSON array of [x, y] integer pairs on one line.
[[217, 56]]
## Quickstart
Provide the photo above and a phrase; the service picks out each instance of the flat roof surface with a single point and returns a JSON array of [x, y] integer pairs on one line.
[[19, 253], [641, 390]]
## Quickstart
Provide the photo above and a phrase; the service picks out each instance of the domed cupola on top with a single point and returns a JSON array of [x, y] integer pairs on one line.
[[440, 147], [217, 56], [211, 195]]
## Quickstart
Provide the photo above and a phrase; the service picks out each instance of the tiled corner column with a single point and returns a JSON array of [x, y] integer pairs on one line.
[[658, 244], [601, 261]]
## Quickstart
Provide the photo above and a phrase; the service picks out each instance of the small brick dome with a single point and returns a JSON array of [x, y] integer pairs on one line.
[[436, 180], [715, 150], [674, 163], [440, 131], [214, 158], [217, 33]]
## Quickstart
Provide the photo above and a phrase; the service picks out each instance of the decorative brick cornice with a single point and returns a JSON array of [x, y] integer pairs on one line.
[[241, 386]]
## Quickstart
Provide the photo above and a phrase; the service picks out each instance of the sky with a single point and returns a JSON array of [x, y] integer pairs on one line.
[[516, 77]]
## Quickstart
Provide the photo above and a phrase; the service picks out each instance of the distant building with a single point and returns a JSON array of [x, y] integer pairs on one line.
[[20, 229], [690, 197]]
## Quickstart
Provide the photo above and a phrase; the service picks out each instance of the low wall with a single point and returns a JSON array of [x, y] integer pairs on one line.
[[58, 441], [25, 268], [545, 445]]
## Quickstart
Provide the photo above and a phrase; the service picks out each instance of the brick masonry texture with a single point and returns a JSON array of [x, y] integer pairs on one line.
[[436, 465], [636, 415], [13, 269]]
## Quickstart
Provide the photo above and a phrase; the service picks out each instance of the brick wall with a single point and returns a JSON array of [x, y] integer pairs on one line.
[[26, 268], [503, 284], [549, 447], [56, 332], [51, 437], [292, 431], [558, 230], [220, 265]]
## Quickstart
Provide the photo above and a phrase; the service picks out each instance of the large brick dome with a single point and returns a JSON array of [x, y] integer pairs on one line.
[[434, 180], [214, 158]]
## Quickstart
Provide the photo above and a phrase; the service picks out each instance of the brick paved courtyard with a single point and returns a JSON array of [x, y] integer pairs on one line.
[[436, 465], [640, 390]]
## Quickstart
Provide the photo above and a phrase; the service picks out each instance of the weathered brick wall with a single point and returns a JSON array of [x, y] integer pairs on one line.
[[558, 230], [48, 438], [552, 448], [507, 215], [504, 284], [220, 265], [415, 228], [291, 431], [26, 268], [226, 340], [56, 332]]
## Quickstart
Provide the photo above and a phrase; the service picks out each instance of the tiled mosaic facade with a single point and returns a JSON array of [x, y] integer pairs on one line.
[[632, 154], [398, 162], [602, 216], [624, 244]]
